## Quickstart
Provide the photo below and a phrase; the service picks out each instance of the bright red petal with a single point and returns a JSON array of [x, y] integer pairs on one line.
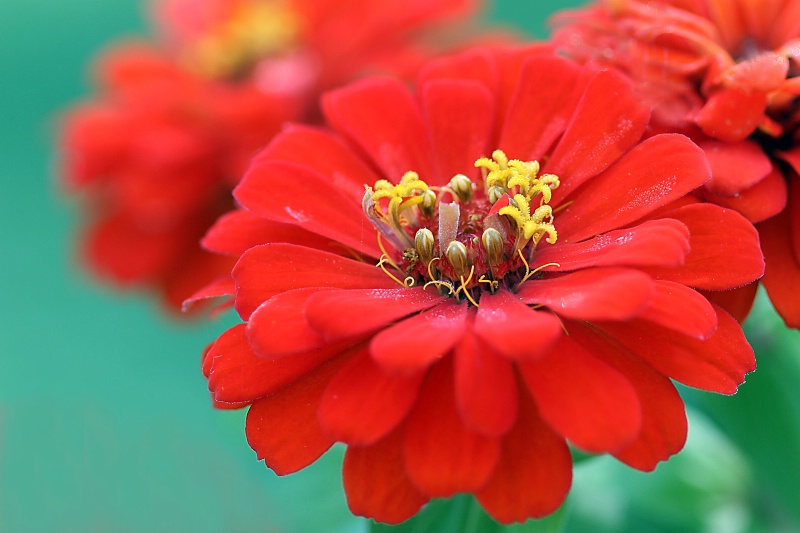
[[362, 403], [459, 115], [279, 327], [269, 269], [382, 118], [725, 250], [763, 200], [609, 119], [514, 330], [346, 313], [592, 294], [376, 483], [633, 187], [717, 364], [782, 275], [486, 389], [731, 115], [735, 167], [664, 425], [682, 309], [218, 288], [583, 399], [283, 429], [662, 242], [417, 342], [442, 456], [534, 473], [737, 302]]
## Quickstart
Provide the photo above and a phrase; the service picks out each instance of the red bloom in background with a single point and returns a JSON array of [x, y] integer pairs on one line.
[[157, 152], [466, 315], [724, 73]]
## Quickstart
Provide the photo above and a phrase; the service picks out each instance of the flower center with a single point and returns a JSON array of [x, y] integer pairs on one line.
[[462, 238], [253, 30]]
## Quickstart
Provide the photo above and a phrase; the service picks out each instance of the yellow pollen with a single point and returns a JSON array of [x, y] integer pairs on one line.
[[256, 29]]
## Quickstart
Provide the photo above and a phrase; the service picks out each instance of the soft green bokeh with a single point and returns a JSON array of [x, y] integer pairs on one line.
[[105, 423]]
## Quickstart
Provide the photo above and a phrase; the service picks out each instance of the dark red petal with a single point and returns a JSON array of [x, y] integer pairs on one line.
[[279, 326], [513, 329], [237, 231], [737, 302], [661, 242], [534, 473], [269, 269], [376, 484], [323, 152], [459, 115], [763, 200], [347, 313], [419, 341], [381, 117], [545, 90], [219, 287], [717, 364], [293, 194], [664, 423], [591, 294], [735, 167], [442, 456], [633, 187], [582, 398], [486, 389], [782, 275], [362, 403], [608, 121], [731, 115], [237, 374], [283, 429], [725, 250], [682, 309]]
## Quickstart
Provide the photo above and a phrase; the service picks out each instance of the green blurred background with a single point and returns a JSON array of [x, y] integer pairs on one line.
[[105, 422]]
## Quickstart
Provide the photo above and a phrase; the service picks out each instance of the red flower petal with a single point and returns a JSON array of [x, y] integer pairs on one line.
[[486, 391], [662, 242], [682, 309], [279, 327], [731, 115], [347, 313], [546, 90], [419, 341], [717, 364], [362, 111], [664, 425], [634, 187], [592, 294], [506, 325], [475, 64], [609, 119], [582, 398], [376, 483], [442, 456], [331, 158], [782, 276], [534, 473], [269, 269], [735, 166], [219, 287], [237, 374], [737, 302], [283, 429], [763, 200], [236, 232], [459, 115], [725, 250], [362, 403], [293, 194]]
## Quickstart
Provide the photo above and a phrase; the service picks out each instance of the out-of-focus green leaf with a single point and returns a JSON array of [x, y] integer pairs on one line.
[[462, 514]]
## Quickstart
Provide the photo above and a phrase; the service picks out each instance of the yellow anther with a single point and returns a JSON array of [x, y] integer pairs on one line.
[[428, 204], [495, 193], [461, 187]]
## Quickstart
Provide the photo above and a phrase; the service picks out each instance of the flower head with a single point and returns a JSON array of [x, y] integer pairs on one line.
[[175, 123], [724, 73], [458, 280]]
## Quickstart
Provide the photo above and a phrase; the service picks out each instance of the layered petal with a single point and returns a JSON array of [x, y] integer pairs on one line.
[[782, 274]]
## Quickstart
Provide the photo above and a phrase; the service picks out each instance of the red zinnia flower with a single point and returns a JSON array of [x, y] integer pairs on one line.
[[516, 304], [158, 151], [724, 73]]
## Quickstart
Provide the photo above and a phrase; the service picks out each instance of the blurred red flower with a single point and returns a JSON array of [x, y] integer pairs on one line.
[[724, 73], [156, 152], [516, 304]]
